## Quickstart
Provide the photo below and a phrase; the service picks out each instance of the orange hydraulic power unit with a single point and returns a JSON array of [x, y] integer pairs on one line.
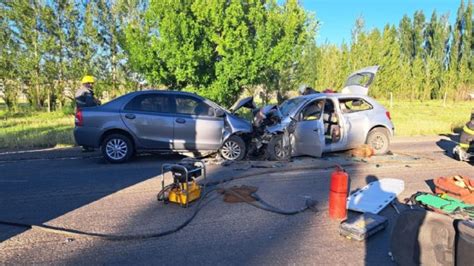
[[184, 187]]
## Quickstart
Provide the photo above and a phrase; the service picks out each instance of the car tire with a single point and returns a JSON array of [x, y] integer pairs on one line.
[[233, 149], [117, 148], [275, 148], [379, 140]]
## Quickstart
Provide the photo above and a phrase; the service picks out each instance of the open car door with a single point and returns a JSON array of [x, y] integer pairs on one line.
[[308, 136], [359, 81]]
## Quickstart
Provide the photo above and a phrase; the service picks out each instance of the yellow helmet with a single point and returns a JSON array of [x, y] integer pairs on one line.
[[87, 79]]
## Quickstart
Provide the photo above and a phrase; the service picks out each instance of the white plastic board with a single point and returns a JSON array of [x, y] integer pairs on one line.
[[376, 195]]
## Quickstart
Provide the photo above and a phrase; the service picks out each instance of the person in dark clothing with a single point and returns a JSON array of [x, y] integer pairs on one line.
[[467, 135], [465, 150], [306, 90], [85, 95], [85, 98]]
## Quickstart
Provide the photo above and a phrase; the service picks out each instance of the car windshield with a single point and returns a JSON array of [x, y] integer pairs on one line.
[[287, 106]]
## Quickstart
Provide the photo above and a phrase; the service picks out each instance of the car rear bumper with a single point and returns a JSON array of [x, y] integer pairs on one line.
[[87, 136]]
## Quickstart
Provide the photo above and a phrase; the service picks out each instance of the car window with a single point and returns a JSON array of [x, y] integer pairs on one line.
[[362, 79], [192, 106], [289, 105], [354, 105], [150, 103], [312, 111]]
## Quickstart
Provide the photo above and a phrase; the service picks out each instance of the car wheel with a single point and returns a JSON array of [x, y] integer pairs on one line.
[[379, 140], [233, 149], [117, 148], [276, 150]]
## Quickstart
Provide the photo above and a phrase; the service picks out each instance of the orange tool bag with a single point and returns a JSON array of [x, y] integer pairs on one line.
[[459, 187]]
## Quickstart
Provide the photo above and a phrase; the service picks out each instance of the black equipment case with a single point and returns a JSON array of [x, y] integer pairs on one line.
[[423, 237], [465, 243]]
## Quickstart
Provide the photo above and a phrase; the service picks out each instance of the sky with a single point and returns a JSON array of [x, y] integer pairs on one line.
[[337, 17]]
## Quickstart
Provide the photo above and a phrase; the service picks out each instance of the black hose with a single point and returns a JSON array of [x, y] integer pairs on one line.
[[310, 204], [74, 232]]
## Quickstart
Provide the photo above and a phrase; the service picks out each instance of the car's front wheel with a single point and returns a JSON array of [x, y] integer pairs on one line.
[[233, 149], [117, 148], [276, 149], [379, 140]]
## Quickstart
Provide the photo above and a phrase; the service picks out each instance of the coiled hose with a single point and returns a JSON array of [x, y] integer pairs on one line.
[[310, 204]]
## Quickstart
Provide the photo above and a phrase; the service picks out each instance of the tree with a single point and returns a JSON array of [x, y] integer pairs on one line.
[[218, 48], [9, 85]]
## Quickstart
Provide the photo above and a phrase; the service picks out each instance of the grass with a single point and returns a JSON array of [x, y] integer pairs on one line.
[[428, 118], [28, 130]]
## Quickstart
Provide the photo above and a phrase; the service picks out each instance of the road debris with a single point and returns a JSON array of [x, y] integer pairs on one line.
[[363, 151], [246, 193]]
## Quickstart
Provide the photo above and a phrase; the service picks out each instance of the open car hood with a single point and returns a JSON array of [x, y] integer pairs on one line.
[[245, 102], [359, 81]]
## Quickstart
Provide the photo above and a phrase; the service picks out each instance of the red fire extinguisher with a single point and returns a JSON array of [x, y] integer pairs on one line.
[[338, 191]]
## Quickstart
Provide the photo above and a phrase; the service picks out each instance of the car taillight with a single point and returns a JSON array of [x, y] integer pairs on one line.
[[388, 115], [79, 119]]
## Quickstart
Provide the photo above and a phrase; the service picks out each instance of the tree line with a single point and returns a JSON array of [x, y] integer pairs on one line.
[[420, 58], [220, 49]]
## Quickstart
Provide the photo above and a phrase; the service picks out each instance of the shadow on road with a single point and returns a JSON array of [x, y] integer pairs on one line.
[[38, 191], [448, 145], [221, 233]]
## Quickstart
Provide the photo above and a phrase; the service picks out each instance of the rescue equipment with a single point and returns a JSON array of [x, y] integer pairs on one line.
[[443, 204], [338, 191], [422, 237], [459, 187], [376, 195], [362, 226], [465, 243], [184, 188]]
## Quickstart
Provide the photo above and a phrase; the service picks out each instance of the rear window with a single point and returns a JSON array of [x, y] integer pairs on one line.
[[150, 103], [351, 105]]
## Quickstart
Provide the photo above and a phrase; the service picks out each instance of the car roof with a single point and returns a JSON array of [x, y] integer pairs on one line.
[[165, 92], [333, 95], [309, 97]]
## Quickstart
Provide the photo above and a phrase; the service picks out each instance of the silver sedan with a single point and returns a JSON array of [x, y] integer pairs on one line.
[[327, 122]]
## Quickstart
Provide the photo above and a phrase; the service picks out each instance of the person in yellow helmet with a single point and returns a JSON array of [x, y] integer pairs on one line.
[[85, 95]]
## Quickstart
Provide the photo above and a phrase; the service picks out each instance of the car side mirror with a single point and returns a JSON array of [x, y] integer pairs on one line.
[[219, 112]]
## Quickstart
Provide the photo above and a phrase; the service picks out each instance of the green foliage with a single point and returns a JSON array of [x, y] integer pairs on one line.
[[218, 48], [427, 118], [35, 130], [419, 59]]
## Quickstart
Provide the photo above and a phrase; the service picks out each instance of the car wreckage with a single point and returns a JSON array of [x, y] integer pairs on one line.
[[317, 123], [164, 121]]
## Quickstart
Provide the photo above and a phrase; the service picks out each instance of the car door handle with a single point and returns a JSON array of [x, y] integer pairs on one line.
[[180, 120], [130, 116], [316, 130]]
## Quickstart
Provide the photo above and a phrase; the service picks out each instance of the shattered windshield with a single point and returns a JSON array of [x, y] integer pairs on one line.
[[287, 106]]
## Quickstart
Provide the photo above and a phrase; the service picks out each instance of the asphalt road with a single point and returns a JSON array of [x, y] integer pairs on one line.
[[75, 190]]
